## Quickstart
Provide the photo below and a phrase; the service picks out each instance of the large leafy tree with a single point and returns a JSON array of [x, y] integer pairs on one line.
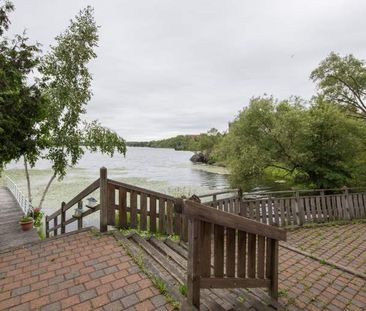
[[22, 106], [343, 81], [66, 83], [334, 146], [287, 140]]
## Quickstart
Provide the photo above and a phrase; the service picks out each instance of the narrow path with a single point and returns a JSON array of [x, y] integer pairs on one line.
[[11, 234]]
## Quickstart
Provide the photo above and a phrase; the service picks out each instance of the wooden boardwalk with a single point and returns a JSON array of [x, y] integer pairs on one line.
[[11, 234]]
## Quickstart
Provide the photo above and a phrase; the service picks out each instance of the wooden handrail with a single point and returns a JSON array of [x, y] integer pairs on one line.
[[66, 206], [243, 252], [201, 212], [71, 220], [92, 187], [141, 190], [55, 214]]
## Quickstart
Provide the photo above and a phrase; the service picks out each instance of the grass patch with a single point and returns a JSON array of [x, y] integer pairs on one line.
[[323, 262], [149, 234], [183, 289], [283, 293]]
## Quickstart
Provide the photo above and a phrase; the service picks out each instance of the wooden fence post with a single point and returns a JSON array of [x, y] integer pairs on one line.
[[47, 227], [240, 198], [80, 219], [301, 209], [54, 225], [346, 207], [214, 199], [273, 267], [103, 200], [323, 205], [63, 217], [193, 276]]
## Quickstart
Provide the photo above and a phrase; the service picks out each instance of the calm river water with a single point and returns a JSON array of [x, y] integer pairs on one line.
[[163, 170]]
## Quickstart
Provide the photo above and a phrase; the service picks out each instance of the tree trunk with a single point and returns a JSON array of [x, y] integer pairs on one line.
[[28, 179], [46, 190]]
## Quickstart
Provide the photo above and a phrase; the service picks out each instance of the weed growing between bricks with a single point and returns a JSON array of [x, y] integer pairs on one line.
[[149, 234], [158, 283]]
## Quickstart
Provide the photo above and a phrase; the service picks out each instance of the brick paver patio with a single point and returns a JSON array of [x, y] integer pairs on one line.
[[343, 244], [85, 271], [75, 272], [307, 284]]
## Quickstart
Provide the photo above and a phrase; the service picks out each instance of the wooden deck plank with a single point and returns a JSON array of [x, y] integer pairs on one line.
[[10, 212]]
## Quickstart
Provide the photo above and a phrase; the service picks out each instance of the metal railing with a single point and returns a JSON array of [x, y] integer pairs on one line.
[[25, 205]]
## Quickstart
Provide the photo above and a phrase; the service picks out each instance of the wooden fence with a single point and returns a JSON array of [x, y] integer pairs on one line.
[[294, 208], [224, 250], [123, 206], [229, 251]]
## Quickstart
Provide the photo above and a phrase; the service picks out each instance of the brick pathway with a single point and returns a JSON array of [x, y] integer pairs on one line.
[[343, 244], [307, 284], [83, 271], [75, 272]]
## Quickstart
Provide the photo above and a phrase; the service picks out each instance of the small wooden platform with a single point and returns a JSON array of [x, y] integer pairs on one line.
[[11, 234]]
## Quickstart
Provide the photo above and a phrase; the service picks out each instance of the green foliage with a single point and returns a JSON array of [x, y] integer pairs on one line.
[[334, 147], [293, 143], [22, 105], [5, 9], [208, 142], [180, 142], [37, 215], [343, 80], [97, 137], [66, 84], [183, 289], [26, 218]]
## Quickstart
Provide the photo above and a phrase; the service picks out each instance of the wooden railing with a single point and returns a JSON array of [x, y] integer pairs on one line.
[[295, 208], [58, 218], [228, 251], [144, 209], [124, 206]]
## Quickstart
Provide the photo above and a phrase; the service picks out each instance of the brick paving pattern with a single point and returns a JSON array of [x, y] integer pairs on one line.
[[307, 284], [75, 272], [343, 244], [84, 271]]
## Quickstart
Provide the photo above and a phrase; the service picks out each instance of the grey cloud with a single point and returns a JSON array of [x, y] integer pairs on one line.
[[181, 67]]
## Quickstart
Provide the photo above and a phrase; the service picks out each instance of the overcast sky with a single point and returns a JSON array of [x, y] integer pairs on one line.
[[181, 67]]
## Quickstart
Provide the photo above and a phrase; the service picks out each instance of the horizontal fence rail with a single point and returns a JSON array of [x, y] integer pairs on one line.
[[229, 251], [24, 203]]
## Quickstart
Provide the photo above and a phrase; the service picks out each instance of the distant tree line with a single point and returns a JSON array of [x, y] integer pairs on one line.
[[203, 142]]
